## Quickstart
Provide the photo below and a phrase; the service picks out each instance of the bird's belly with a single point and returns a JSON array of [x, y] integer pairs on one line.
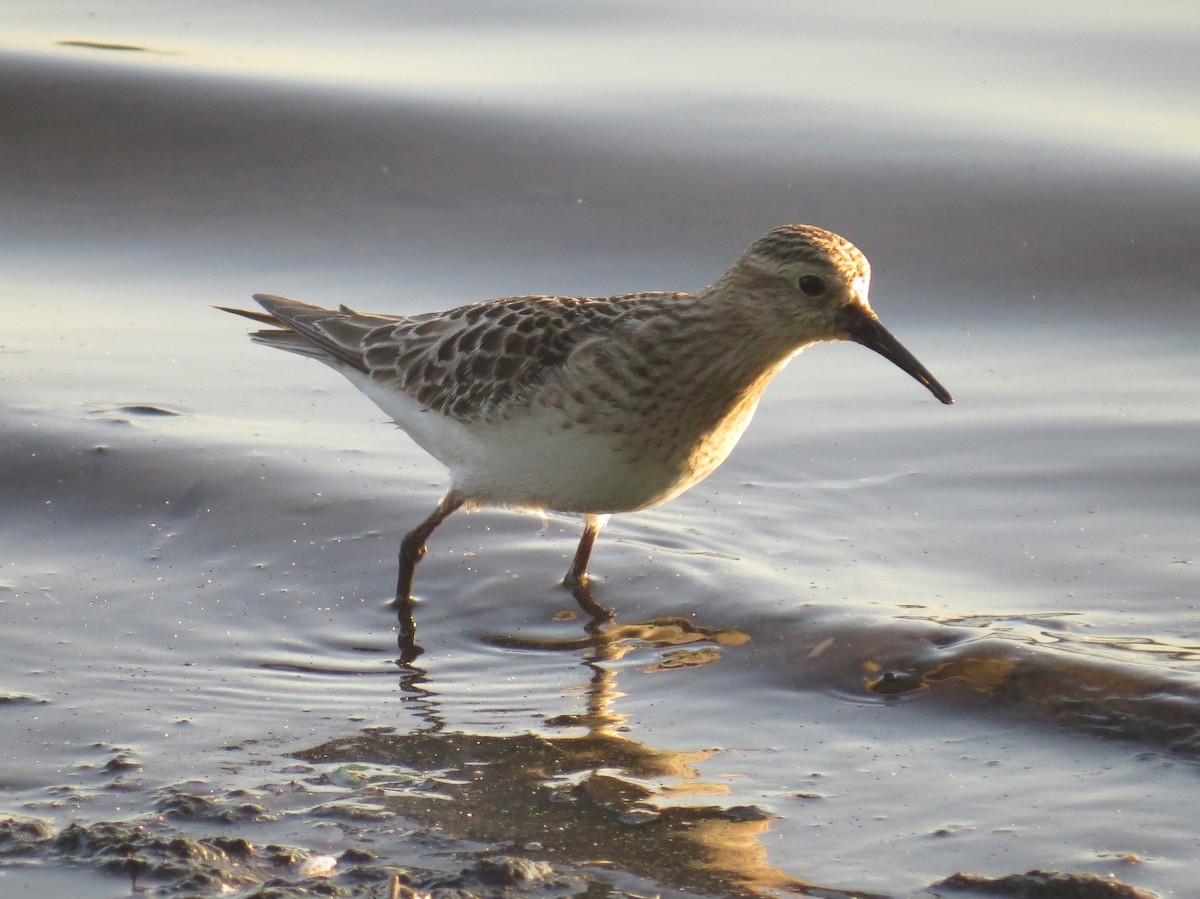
[[549, 458], [568, 470], [540, 463]]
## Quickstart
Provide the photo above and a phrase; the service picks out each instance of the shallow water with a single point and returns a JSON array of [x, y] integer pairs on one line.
[[888, 641]]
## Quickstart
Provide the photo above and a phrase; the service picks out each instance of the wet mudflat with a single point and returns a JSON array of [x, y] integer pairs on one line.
[[889, 648]]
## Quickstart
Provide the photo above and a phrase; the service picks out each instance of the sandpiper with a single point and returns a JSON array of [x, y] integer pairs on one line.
[[592, 405]]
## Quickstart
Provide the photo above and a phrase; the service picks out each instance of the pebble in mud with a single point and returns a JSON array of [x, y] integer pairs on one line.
[[176, 864]]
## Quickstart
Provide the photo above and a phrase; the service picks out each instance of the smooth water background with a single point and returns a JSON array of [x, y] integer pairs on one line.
[[931, 639]]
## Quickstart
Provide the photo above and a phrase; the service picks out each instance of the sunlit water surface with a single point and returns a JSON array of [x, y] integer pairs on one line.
[[888, 641]]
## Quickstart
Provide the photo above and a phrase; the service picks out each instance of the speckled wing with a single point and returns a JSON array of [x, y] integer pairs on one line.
[[466, 362]]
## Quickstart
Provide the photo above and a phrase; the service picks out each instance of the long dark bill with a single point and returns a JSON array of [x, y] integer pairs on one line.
[[863, 327]]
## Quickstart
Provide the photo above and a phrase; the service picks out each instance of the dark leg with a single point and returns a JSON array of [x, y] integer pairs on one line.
[[577, 576], [412, 547], [577, 580]]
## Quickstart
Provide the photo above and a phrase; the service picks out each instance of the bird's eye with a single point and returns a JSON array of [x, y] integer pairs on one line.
[[811, 286]]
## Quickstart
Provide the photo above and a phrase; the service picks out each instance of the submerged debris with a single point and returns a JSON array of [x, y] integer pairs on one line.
[[1045, 885]]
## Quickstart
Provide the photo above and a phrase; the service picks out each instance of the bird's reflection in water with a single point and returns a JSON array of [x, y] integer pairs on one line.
[[582, 592], [586, 799]]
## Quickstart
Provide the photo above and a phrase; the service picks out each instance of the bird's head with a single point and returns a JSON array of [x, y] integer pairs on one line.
[[807, 284]]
